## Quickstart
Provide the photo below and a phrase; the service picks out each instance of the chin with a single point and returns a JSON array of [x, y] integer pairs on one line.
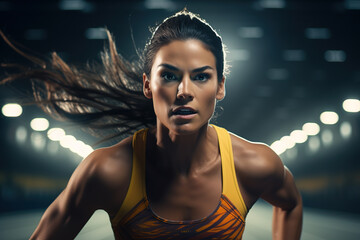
[[186, 128]]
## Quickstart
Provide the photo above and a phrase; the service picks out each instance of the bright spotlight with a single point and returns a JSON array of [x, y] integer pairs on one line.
[[298, 136], [67, 141], [77, 146], [278, 147], [11, 110], [351, 105], [56, 134], [329, 118], [39, 124], [311, 129], [288, 142], [85, 150]]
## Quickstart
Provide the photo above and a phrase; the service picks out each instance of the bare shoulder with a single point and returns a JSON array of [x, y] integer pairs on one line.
[[99, 182], [102, 178], [111, 163], [257, 166]]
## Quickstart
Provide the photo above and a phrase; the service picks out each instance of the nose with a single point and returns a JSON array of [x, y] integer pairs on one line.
[[185, 89]]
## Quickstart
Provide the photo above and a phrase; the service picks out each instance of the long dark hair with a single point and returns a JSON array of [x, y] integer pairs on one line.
[[108, 97]]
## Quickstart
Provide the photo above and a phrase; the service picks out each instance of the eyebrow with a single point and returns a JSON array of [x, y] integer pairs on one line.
[[173, 68], [201, 69]]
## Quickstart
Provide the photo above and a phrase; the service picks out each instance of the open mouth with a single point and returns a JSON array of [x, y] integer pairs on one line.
[[184, 111]]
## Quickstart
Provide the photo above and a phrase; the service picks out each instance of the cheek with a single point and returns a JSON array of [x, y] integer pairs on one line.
[[161, 96], [211, 104], [209, 100]]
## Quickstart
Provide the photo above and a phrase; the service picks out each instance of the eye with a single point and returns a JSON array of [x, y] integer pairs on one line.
[[168, 77], [202, 77]]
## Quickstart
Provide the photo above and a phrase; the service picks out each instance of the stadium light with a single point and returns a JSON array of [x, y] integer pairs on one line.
[[329, 117], [288, 142], [351, 105], [298, 136], [67, 141], [311, 128], [56, 134], [278, 147], [12, 110], [39, 124]]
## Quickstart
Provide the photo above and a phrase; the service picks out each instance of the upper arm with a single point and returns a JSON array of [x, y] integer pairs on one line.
[[99, 182], [286, 195], [261, 174], [279, 185]]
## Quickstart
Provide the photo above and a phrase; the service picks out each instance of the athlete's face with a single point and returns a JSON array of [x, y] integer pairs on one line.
[[184, 86]]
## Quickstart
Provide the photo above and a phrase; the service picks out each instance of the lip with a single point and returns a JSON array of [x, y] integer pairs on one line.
[[183, 107], [184, 117]]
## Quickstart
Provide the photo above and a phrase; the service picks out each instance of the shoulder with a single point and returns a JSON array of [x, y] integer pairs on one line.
[[102, 178], [110, 161], [258, 167]]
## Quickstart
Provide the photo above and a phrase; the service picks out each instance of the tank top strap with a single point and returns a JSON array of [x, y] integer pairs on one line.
[[136, 191], [230, 184]]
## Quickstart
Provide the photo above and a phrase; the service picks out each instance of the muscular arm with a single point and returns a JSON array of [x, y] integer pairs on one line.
[[283, 194], [261, 174], [99, 182], [62, 220], [287, 209]]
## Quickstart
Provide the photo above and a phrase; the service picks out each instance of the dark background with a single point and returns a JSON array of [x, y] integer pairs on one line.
[[281, 77]]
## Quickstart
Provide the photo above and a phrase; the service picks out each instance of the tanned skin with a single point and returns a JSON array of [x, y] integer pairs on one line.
[[102, 179], [182, 155]]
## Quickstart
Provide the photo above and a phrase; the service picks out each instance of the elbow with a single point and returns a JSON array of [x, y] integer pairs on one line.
[[297, 201], [291, 204], [296, 204], [293, 208]]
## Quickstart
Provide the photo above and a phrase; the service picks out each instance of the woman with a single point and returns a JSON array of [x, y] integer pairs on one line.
[[181, 178]]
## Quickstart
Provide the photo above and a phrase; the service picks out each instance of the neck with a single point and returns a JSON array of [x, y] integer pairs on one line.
[[184, 154]]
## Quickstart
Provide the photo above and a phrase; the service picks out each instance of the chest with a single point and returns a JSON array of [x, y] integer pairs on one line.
[[183, 198]]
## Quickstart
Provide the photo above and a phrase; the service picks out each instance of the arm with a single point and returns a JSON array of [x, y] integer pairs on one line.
[[60, 221], [99, 182], [261, 174], [283, 194], [287, 211], [65, 217]]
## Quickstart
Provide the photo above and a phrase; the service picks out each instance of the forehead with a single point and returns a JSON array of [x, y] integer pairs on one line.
[[185, 54]]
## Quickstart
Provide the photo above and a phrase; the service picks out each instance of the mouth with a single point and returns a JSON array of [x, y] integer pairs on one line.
[[183, 111]]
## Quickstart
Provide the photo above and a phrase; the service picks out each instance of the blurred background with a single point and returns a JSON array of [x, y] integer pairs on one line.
[[294, 85]]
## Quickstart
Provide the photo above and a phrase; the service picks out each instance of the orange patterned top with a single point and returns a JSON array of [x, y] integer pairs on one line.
[[136, 220]]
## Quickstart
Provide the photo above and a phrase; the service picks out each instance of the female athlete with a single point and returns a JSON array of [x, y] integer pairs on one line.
[[178, 178]]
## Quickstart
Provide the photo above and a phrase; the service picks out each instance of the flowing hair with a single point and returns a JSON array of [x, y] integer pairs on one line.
[[107, 98]]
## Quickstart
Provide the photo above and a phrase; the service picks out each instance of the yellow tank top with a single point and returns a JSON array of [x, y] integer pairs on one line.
[[136, 220]]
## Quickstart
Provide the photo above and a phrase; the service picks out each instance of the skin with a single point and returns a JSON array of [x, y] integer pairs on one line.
[[181, 152]]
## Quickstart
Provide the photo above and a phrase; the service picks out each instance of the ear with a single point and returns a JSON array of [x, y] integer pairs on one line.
[[220, 94], [146, 87]]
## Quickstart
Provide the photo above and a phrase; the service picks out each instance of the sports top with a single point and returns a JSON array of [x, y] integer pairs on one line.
[[136, 220]]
